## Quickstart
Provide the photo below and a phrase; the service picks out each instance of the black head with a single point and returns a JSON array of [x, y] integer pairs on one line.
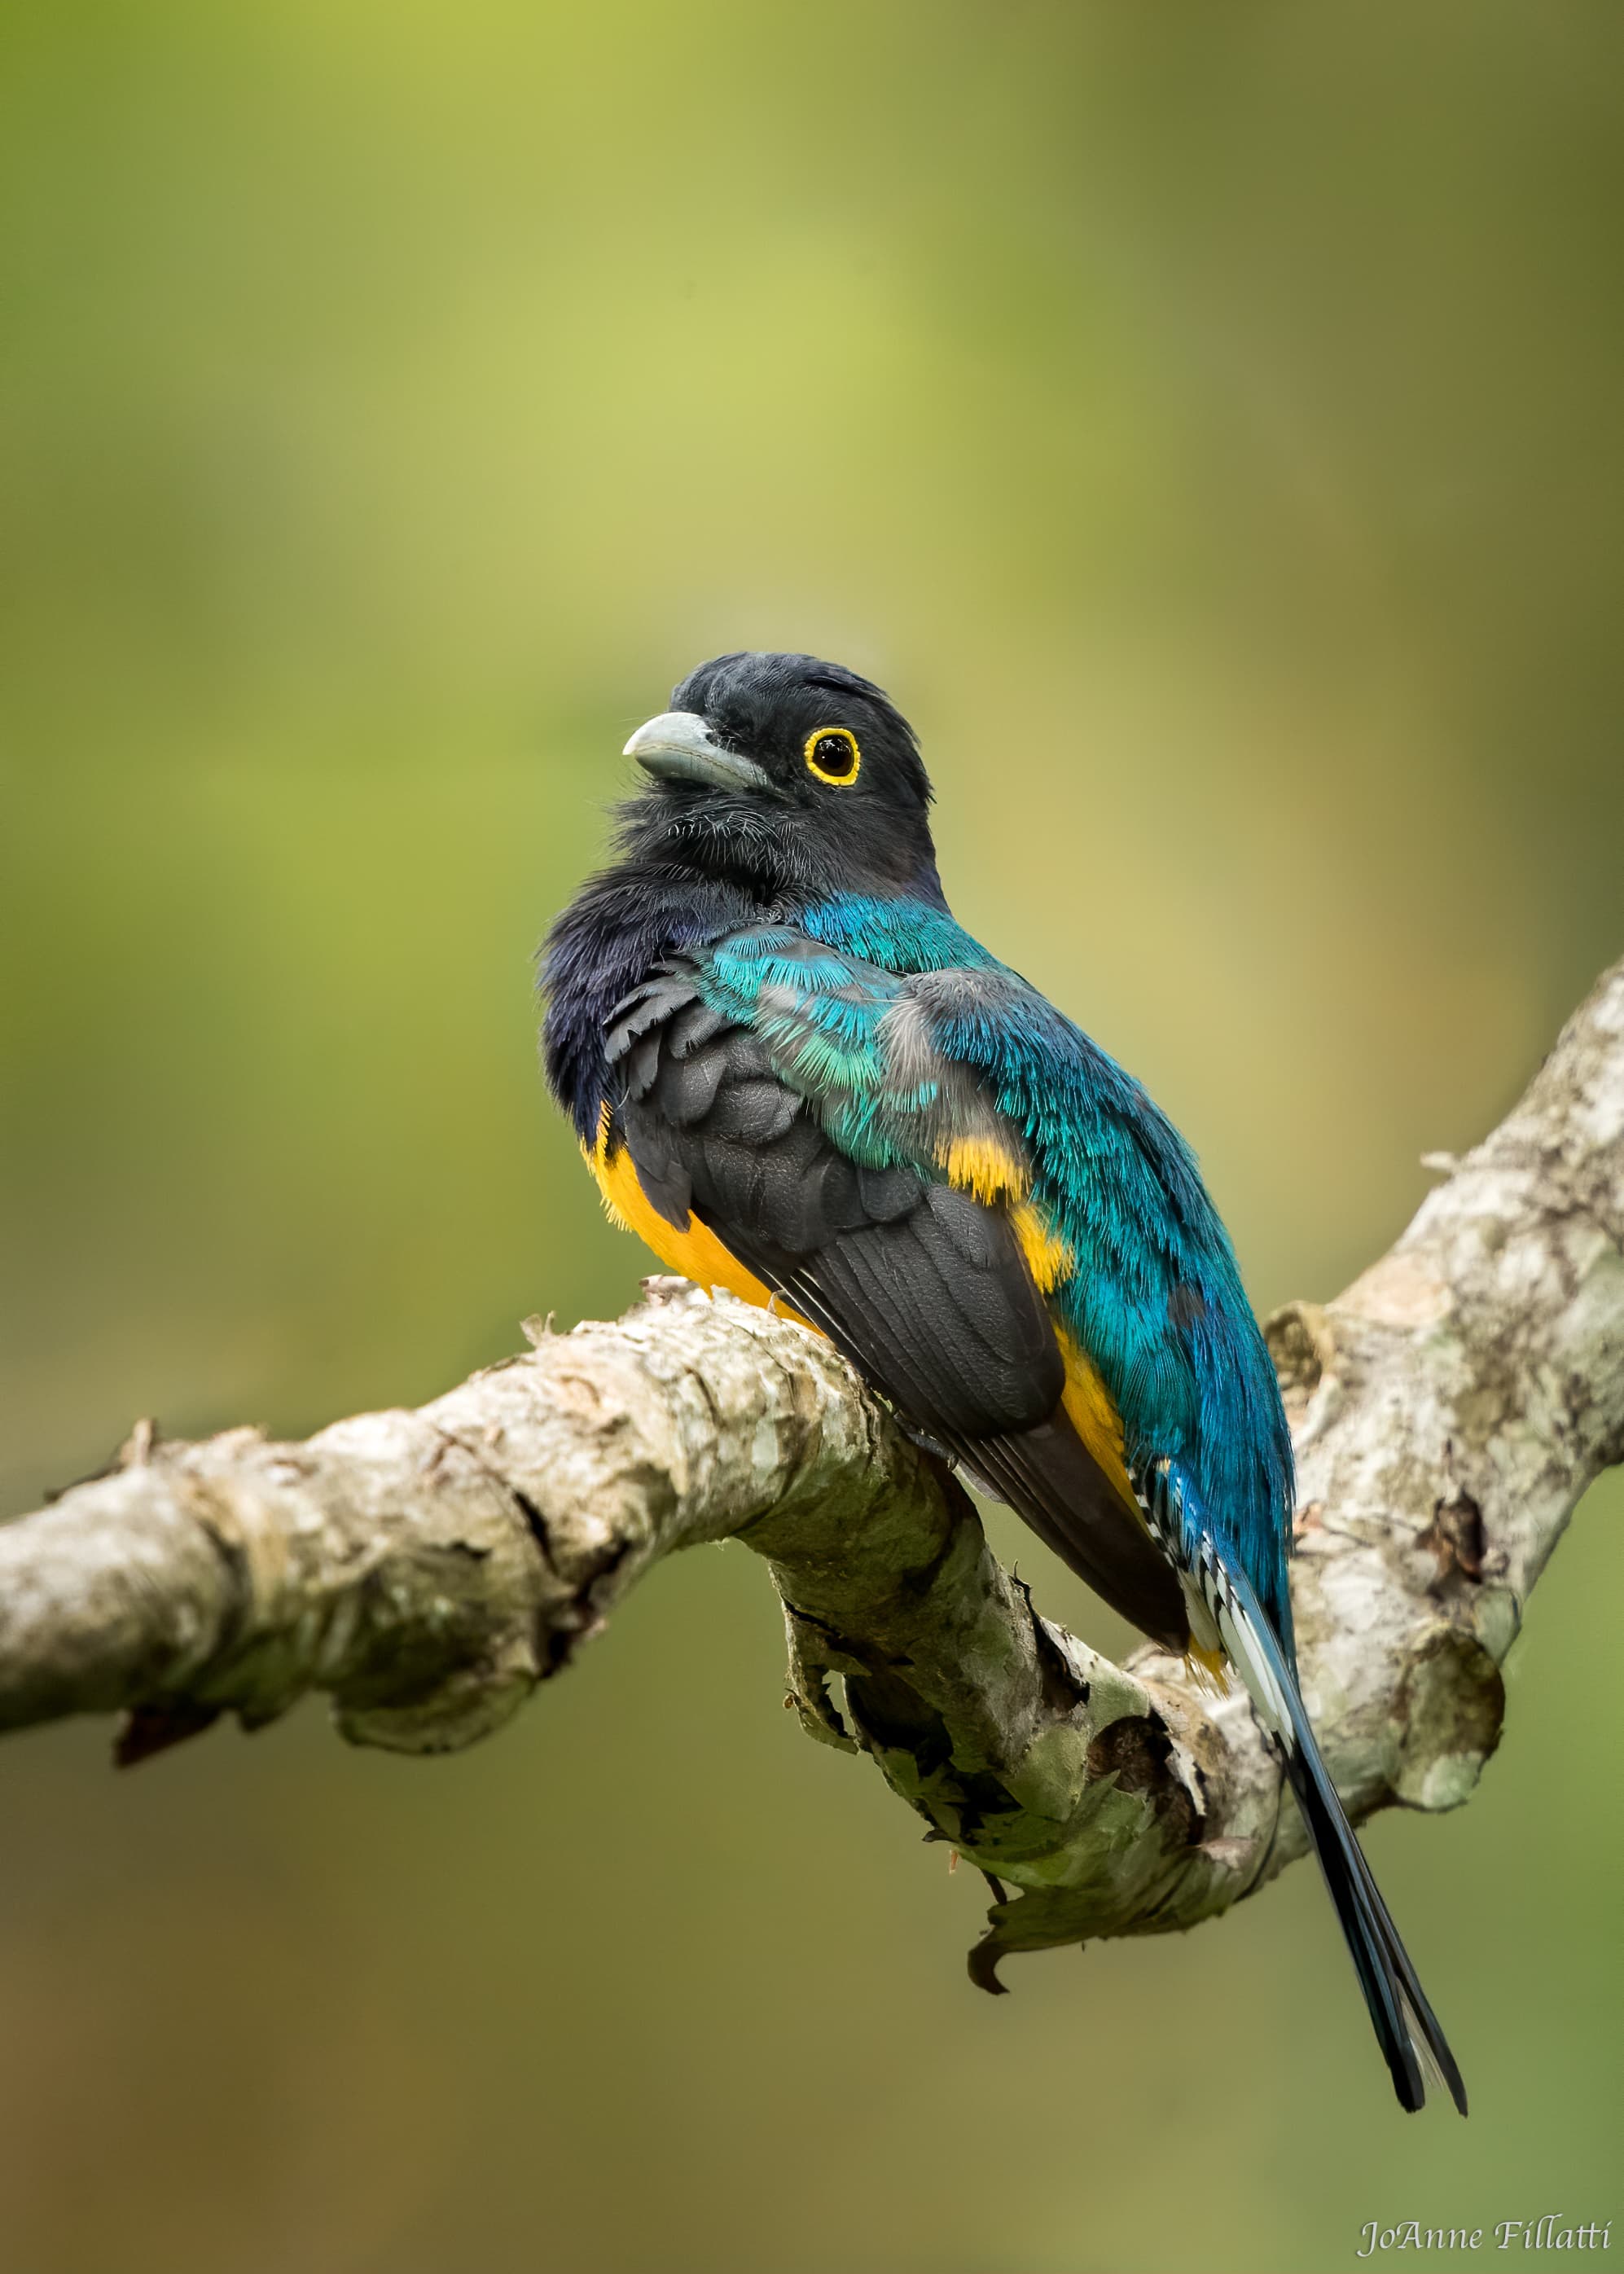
[[784, 775]]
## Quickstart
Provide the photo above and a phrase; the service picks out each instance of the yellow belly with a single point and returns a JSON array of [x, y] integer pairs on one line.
[[1092, 1411], [697, 1253]]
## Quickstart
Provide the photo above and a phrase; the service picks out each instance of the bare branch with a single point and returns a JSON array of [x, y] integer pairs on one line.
[[428, 1568]]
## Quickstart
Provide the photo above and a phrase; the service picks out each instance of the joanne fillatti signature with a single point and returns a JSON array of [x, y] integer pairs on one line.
[[1550, 2232]]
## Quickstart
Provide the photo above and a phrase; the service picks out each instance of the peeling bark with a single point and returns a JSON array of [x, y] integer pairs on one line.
[[428, 1568]]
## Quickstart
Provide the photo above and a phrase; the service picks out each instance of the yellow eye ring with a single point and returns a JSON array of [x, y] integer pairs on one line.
[[817, 748]]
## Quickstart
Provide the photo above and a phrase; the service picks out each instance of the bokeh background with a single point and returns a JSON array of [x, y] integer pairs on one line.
[[1206, 421]]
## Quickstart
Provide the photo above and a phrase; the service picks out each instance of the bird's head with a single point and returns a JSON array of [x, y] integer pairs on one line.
[[786, 775]]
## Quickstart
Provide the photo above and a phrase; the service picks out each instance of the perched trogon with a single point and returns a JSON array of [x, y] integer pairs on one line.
[[797, 1077]]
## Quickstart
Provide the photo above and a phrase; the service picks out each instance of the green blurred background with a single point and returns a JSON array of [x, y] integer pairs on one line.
[[1206, 420]]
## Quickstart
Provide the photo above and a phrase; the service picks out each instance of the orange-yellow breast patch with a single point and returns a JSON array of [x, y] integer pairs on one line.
[[1092, 1411], [987, 1168], [697, 1253], [1049, 1257]]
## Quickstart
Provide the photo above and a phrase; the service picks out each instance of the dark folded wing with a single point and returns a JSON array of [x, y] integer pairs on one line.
[[923, 1286]]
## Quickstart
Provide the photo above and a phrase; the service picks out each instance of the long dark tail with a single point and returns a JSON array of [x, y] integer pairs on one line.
[[1412, 2044]]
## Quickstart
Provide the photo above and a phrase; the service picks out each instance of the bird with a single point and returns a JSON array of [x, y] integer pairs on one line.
[[797, 1078]]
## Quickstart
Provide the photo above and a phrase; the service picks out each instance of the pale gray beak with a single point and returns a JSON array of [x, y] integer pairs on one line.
[[678, 746]]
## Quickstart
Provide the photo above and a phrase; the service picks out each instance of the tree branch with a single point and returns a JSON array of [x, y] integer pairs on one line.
[[429, 1569]]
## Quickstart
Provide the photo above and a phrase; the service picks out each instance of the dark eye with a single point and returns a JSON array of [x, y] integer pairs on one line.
[[832, 754]]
